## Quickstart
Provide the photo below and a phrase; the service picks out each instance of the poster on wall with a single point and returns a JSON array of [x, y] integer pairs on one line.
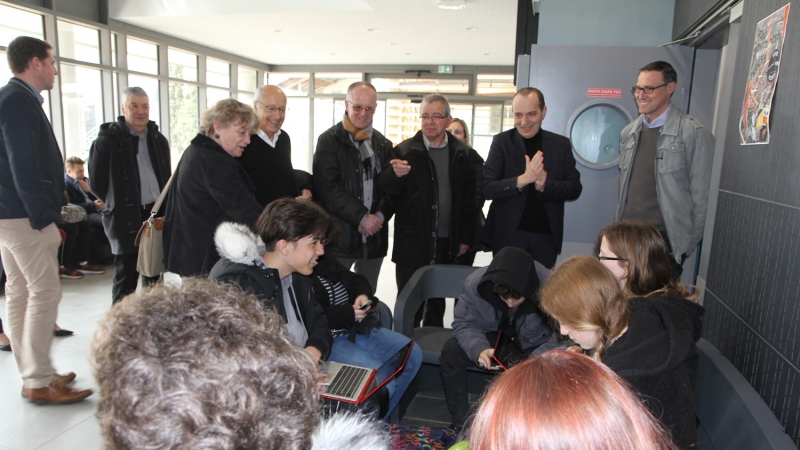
[[762, 77]]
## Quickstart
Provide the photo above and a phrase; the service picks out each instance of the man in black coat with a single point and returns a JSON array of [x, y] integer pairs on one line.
[[528, 175], [432, 188], [348, 162], [129, 164]]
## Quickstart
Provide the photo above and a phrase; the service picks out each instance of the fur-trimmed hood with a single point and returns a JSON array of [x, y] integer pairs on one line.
[[237, 243], [351, 431]]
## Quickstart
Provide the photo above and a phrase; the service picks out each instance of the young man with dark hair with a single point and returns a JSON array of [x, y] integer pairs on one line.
[[31, 191], [500, 297], [293, 234]]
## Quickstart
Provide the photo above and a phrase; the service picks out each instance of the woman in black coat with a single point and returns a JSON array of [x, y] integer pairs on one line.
[[648, 341], [209, 187]]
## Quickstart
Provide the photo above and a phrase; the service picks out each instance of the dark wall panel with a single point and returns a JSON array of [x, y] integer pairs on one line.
[[753, 290], [689, 12]]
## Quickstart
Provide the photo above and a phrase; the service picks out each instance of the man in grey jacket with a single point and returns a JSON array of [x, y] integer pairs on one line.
[[500, 297], [665, 165]]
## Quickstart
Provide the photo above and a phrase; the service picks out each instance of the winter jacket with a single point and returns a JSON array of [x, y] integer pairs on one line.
[[339, 316], [75, 195], [31, 166], [338, 187], [653, 357], [479, 310], [683, 175], [415, 199], [114, 179], [347, 431], [209, 187], [240, 254]]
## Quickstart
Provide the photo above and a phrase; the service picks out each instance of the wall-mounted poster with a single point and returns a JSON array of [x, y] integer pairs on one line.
[[763, 77]]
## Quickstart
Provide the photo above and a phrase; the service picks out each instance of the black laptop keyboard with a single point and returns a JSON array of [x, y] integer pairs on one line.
[[347, 381]]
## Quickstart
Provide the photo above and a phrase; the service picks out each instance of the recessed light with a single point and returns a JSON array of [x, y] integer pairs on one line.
[[372, 29], [471, 28], [451, 4], [334, 54], [393, 43], [278, 31], [408, 54], [487, 54]]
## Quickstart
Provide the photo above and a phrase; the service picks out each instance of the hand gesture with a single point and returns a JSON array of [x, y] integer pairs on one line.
[[533, 169], [400, 167], [370, 225]]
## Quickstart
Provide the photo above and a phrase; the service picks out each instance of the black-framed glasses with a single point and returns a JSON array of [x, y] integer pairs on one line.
[[609, 258], [646, 89], [359, 108], [272, 108], [436, 117]]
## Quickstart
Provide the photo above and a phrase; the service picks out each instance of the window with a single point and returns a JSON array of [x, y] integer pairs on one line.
[[292, 84], [422, 85], [496, 85], [151, 86], [183, 118], [247, 79], [82, 103], [114, 50], [297, 125], [487, 121], [595, 135], [334, 83], [16, 22], [78, 43], [402, 120], [218, 73], [215, 95], [327, 113], [142, 56], [246, 98], [182, 65]]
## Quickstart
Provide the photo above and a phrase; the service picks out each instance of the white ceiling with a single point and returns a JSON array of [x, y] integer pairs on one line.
[[336, 31]]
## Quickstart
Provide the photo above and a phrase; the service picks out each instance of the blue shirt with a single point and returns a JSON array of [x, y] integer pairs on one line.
[[147, 176]]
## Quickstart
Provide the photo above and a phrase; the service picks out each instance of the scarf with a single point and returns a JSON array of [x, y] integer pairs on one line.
[[364, 144]]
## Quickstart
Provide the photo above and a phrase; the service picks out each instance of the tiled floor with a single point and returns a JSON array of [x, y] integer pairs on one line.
[[26, 426]]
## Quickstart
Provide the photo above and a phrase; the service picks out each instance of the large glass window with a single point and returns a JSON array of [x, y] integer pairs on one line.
[[78, 43], [151, 86], [16, 22], [218, 73], [487, 121], [247, 79], [142, 56], [422, 85], [495, 85], [297, 124], [182, 65], [215, 95], [82, 102], [402, 120], [334, 83], [183, 118], [327, 113], [292, 84], [114, 50]]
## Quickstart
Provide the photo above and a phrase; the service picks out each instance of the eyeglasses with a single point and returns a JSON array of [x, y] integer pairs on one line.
[[272, 109], [436, 117], [609, 258], [647, 89], [359, 108]]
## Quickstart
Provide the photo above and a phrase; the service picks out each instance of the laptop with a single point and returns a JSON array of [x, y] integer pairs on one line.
[[506, 352], [353, 384]]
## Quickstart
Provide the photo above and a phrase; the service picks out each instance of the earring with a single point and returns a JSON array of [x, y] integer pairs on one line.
[[216, 136], [626, 275]]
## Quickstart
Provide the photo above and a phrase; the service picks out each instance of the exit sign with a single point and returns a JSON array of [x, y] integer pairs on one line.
[[445, 69]]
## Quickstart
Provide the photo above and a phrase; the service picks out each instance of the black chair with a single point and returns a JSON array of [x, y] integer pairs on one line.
[[438, 281]]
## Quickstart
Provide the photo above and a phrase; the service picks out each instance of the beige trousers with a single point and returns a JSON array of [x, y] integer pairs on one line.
[[33, 292]]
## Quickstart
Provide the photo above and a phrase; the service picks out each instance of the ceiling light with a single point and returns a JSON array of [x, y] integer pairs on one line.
[[471, 28], [278, 31], [451, 4], [372, 29]]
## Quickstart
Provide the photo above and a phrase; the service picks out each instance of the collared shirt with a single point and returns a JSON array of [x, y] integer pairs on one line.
[[659, 121], [147, 176], [428, 143], [28, 85], [272, 143]]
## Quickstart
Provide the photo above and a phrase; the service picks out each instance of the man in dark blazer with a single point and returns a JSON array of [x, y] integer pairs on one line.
[[31, 190], [528, 175]]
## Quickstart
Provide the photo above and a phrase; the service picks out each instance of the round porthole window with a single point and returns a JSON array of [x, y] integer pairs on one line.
[[595, 135]]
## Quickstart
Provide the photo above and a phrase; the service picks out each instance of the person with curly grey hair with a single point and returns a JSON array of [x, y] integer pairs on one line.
[[209, 187], [203, 365]]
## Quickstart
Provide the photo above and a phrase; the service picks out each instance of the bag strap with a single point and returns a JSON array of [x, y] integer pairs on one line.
[[157, 204]]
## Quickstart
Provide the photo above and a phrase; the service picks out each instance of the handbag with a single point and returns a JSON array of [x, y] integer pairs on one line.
[[150, 241]]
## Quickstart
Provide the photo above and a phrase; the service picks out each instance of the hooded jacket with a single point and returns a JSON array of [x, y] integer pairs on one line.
[[479, 310], [114, 179], [241, 250], [653, 357]]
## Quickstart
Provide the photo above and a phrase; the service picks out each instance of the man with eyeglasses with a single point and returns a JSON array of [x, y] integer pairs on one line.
[[665, 165], [268, 157], [432, 183], [529, 174], [350, 158]]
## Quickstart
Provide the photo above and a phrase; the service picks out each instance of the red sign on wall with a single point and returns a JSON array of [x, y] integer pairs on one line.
[[604, 92]]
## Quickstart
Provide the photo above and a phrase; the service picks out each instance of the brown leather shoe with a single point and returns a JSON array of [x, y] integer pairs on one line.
[[55, 394], [63, 380]]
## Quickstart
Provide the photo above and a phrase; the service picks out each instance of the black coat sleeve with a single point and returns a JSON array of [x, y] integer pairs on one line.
[[319, 334]]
